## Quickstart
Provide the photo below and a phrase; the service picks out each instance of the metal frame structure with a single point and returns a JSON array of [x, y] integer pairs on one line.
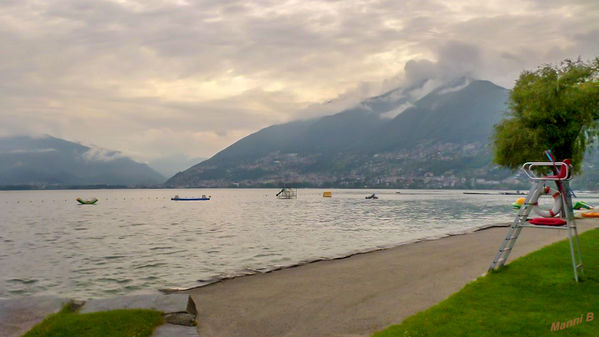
[[287, 193], [562, 180]]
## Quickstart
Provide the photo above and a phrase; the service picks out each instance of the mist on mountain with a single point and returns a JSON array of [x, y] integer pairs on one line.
[[52, 162]]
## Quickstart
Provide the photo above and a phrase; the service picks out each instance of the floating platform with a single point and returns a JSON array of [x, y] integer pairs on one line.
[[190, 199]]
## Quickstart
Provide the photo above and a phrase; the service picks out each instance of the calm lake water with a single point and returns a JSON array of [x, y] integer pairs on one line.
[[138, 240]]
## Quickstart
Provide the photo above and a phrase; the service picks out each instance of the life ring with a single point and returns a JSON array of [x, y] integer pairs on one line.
[[557, 204]]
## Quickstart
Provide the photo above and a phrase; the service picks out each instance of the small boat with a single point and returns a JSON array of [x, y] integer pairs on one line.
[[204, 197], [327, 194], [87, 202], [373, 196]]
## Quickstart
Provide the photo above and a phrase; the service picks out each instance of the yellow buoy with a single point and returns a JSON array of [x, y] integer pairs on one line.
[[327, 194]]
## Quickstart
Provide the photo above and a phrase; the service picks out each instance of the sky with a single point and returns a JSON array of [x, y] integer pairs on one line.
[[157, 79]]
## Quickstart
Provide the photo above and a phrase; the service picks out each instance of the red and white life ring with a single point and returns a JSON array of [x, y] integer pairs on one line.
[[557, 204]]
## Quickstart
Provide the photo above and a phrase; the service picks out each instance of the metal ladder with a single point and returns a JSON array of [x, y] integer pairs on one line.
[[532, 197]]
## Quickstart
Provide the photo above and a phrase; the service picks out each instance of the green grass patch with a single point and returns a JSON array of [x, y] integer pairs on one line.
[[523, 299], [114, 323]]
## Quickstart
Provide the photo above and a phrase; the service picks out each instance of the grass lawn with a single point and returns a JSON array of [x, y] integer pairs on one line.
[[114, 323], [523, 299]]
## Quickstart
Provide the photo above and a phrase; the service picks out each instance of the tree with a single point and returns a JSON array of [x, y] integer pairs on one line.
[[554, 107]]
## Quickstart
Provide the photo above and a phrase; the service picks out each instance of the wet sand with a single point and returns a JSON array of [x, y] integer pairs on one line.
[[358, 295]]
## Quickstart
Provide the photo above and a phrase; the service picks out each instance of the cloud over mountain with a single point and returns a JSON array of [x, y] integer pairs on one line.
[[48, 161], [148, 76]]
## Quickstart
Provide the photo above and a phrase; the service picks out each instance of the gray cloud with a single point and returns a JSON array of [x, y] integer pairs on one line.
[[151, 78], [455, 59]]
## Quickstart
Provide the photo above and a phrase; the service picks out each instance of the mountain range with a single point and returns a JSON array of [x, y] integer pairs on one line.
[[421, 136], [47, 162], [407, 137]]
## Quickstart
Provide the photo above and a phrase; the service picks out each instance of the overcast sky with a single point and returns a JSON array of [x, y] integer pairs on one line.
[[155, 78]]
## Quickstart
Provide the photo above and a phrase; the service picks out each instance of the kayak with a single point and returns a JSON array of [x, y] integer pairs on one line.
[[590, 215], [547, 221]]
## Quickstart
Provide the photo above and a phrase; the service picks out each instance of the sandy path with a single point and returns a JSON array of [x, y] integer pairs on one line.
[[357, 295]]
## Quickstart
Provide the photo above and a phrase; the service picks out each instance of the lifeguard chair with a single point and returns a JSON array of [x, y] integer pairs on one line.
[[562, 206]]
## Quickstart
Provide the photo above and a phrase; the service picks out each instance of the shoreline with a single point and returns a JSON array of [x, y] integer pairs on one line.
[[215, 280], [359, 294]]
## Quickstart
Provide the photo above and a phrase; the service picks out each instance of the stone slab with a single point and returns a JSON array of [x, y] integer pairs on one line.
[[18, 316], [170, 330], [156, 301]]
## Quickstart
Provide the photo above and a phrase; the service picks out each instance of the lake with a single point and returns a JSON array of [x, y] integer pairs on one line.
[[133, 241]]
